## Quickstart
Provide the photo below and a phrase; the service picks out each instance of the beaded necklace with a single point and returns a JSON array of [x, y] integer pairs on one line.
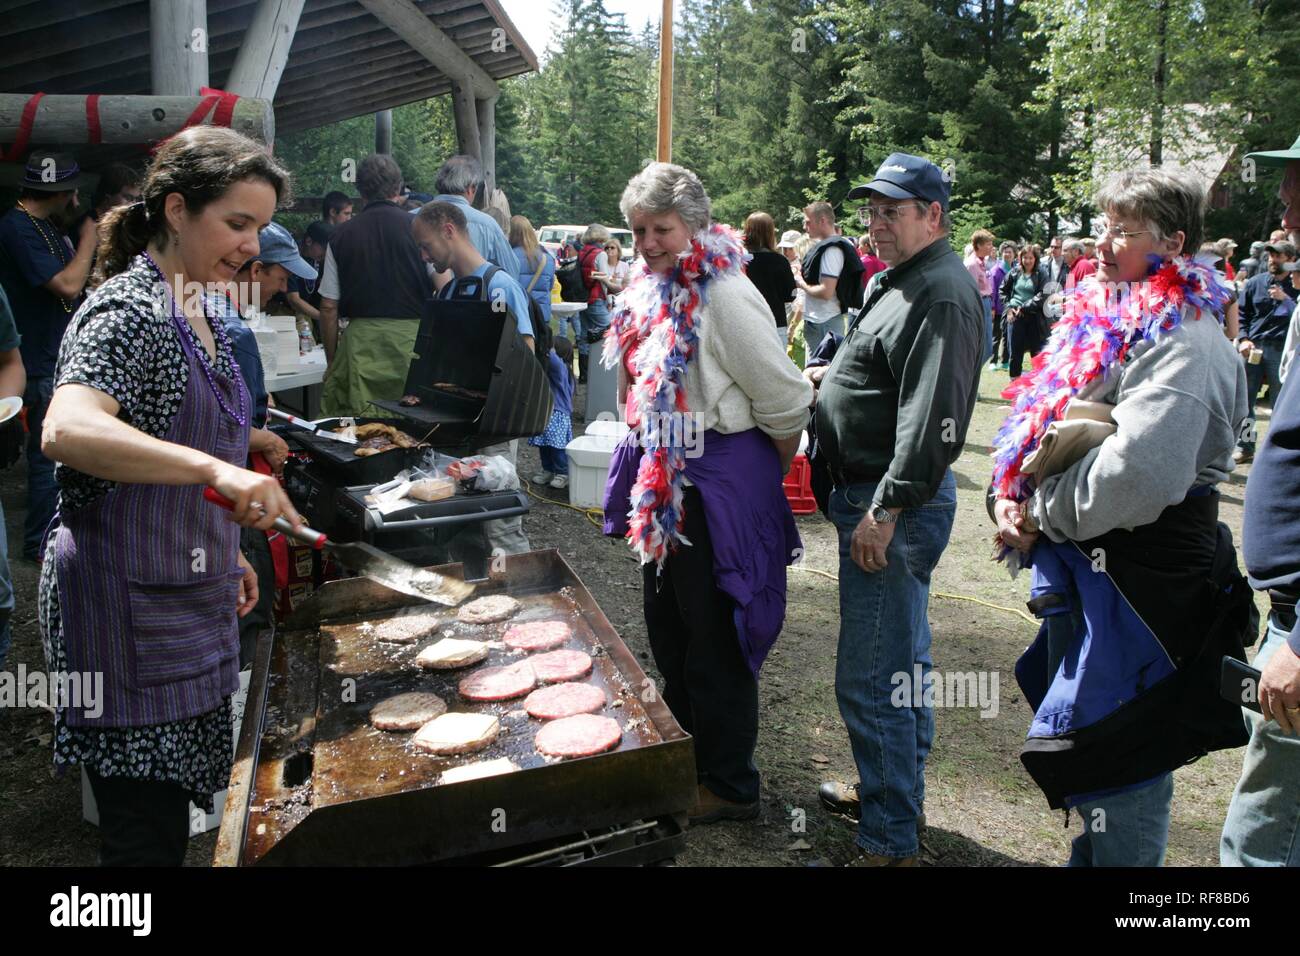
[[223, 342], [55, 248]]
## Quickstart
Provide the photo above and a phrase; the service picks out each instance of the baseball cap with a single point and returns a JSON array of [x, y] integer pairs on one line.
[[904, 176], [279, 249], [789, 239], [1282, 248]]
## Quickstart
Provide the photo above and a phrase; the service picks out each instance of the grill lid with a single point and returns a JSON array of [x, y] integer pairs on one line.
[[477, 381]]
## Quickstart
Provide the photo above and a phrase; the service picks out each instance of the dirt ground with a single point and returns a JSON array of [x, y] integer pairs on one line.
[[982, 808]]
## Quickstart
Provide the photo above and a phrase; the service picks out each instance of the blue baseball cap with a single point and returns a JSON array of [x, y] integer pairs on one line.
[[904, 176], [279, 249]]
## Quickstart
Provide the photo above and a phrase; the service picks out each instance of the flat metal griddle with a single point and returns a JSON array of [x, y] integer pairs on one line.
[[315, 784]]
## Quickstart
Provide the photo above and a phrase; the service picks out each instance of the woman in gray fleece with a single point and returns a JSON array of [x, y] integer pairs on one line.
[[1134, 578]]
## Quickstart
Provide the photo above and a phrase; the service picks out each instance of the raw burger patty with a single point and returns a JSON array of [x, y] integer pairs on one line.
[[537, 635], [556, 666], [579, 736], [486, 610], [499, 683], [564, 700], [405, 628], [450, 653], [407, 711], [457, 733]]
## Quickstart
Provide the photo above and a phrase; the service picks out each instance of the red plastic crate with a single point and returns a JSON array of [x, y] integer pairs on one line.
[[798, 487]]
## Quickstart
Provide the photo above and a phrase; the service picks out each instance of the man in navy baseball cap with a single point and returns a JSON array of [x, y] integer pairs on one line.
[[893, 408], [904, 176]]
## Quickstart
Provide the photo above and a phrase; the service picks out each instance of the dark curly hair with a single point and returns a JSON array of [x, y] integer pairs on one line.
[[200, 163]]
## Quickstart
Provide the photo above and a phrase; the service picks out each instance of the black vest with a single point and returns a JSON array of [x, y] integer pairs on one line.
[[381, 274]]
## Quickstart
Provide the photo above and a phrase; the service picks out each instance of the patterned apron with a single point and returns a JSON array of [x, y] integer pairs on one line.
[[148, 576]]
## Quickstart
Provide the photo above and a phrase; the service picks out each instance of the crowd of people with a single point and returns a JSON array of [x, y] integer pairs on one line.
[[1150, 353]]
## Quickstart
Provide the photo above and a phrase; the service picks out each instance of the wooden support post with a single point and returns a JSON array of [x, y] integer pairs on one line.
[[124, 119], [262, 56], [384, 132], [178, 46], [665, 151], [462, 104], [487, 140]]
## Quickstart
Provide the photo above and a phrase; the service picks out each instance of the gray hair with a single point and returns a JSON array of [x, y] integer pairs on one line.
[[664, 187], [595, 233], [459, 175], [1159, 199], [1072, 245]]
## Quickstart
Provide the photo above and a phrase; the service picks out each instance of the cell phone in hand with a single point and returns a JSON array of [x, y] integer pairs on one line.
[[1239, 683]]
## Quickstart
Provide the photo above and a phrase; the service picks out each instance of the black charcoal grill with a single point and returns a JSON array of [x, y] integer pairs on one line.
[[313, 784], [476, 380], [477, 384]]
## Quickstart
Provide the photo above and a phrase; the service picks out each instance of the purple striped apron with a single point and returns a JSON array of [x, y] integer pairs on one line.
[[148, 577]]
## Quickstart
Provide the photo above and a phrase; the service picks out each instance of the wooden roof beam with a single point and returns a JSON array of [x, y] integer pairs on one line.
[[405, 19]]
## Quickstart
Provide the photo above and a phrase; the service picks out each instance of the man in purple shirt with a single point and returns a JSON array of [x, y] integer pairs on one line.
[[1007, 254]]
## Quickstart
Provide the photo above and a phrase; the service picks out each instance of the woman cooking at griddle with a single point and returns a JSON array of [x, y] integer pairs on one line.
[[142, 578]]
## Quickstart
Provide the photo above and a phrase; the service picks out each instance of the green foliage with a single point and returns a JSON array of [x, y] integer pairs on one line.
[[777, 103]]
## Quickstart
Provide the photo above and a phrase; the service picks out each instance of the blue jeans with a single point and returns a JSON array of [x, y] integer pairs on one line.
[[6, 591], [595, 319], [884, 631], [814, 332], [42, 489], [1125, 829], [572, 319], [554, 460], [1265, 373], [1263, 823]]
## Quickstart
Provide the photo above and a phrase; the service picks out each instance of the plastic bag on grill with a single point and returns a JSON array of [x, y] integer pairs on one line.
[[484, 473]]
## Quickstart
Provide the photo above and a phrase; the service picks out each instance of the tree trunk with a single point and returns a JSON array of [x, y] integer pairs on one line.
[[1158, 80]]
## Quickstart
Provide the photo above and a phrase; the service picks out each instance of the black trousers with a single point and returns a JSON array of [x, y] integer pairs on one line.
[[1022, 334], [999, 338], [141, 822], [707, 683]]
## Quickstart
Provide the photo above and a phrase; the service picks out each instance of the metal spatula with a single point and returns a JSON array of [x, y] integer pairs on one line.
[[369, 561]]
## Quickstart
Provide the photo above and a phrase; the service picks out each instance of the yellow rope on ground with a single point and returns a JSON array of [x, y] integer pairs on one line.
[[591, 513], [939, 594]]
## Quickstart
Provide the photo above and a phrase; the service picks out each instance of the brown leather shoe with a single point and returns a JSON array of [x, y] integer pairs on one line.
[[843, 798], [710, 808]]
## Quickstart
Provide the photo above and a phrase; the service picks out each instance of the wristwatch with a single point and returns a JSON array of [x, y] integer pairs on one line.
[[882, 515]]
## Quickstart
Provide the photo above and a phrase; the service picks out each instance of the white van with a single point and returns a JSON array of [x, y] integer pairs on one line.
[[554, 238]]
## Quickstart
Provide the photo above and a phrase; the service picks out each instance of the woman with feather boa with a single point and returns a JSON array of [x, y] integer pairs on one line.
[[1105, 483], [716, 411]]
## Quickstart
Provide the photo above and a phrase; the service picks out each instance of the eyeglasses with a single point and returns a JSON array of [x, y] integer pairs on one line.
[[889, 214], [1116, 232]]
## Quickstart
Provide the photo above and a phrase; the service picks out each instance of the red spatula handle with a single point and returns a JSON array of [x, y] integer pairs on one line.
[[301, 533]]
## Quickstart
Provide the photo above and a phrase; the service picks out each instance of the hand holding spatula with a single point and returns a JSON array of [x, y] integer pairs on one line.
[[370, 562]]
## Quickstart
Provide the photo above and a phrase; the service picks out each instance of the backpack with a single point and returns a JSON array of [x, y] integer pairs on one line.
[[569, 274], [849, 287], [464, 289]]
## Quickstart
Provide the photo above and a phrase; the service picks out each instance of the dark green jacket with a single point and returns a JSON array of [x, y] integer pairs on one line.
[[896, 403]]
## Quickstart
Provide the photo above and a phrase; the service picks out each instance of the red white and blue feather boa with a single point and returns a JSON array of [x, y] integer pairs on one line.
[[658, 314], [1100, 324]]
